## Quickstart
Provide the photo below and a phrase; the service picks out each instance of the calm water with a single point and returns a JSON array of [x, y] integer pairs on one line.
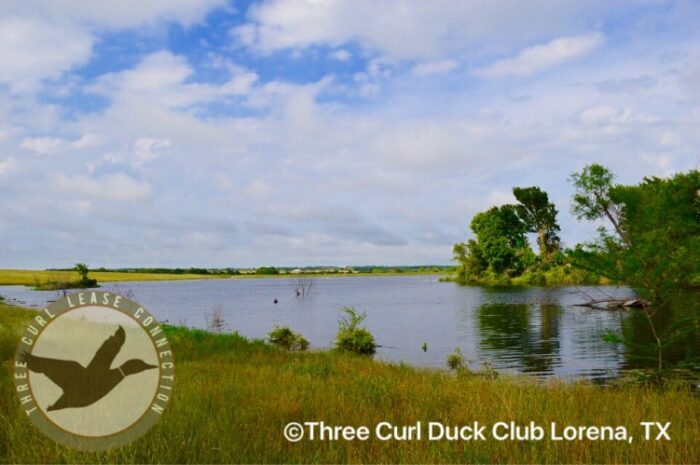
[[532, 330]]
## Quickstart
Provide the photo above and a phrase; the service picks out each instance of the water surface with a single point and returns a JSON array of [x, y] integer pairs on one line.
[[532, 330]]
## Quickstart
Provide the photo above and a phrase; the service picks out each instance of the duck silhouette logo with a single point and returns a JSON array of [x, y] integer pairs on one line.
[[94, 370], [83, 386]]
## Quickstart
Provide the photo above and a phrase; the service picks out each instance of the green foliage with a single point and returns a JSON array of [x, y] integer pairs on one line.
[[267, 270], [284, 337], [501, 251], [612, 337], [83, 270], [456, 360], [540, 217], [655, 243], [85, 281], [350, 337], [592, 199], [500, 238]]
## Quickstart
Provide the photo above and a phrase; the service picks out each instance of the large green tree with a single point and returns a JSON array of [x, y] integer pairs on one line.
[[540, 217], [654, 244], [500, 236]]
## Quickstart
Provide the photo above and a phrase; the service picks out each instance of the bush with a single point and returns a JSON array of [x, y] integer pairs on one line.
[[267, 270], [350, 338], [287, 339], [456, 360]]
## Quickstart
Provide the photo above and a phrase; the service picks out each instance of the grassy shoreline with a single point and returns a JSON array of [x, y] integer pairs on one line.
[[34, 277], [233, 397]]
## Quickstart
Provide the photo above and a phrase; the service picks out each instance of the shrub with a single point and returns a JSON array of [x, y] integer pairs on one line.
[[267, 270], [350, 338], [456, 360], [287, 339]]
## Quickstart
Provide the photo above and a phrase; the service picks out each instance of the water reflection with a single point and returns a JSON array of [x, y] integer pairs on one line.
[[678, 327], [522, 336]]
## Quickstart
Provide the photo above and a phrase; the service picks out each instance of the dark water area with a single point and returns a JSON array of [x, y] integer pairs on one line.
[[529, 330]]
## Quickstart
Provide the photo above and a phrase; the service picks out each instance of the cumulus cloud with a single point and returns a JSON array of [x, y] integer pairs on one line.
[[42, 145], [116, 14], [46, 38], [340, 55], [408, 30], [29, 51], [117, 187], [243, 158], [162, 77], [147, 149], [540, 57], [435, 67]]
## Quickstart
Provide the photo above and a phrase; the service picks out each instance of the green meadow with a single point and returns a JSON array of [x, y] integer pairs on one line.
[[40, 278], [234, 396]]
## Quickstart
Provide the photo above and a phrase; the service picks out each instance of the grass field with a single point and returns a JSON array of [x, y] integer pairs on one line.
[[34, 277], [233, 397]]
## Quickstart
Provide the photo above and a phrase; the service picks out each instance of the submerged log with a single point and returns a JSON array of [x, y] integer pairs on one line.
[[615, 303]]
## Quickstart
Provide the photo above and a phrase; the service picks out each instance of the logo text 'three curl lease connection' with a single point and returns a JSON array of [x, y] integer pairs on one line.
[[94, 370]]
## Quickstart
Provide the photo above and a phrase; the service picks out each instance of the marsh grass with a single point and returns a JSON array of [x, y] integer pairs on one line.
[[42, 278], [234, 396]]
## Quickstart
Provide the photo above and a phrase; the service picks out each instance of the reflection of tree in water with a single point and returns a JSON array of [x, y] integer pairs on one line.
[[507, 332], [679, 327]]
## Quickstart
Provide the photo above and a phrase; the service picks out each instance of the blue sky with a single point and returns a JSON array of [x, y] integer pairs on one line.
[[302, 132]]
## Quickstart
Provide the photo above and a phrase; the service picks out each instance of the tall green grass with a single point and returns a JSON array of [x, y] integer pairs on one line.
[[234, 396]]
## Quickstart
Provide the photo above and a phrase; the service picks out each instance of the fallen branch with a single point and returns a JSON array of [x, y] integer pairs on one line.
[[616, 303]]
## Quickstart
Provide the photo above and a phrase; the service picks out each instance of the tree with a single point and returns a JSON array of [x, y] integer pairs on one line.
[[471, 261], [539, 216], [655, 243], [501, 238], [83, 270]]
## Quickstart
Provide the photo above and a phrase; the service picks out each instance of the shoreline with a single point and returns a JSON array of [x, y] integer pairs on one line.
[[13, 277], [232, 385]]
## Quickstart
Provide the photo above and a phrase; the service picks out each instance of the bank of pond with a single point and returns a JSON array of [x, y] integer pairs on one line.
[[234, 396]]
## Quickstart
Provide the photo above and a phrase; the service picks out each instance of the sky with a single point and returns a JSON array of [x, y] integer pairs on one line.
[[310, 132]]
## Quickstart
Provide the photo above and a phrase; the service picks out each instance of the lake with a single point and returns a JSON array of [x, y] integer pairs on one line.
[[531, 330]]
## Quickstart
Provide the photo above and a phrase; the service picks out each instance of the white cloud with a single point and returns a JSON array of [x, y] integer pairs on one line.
[[45, 38], [410, 30], [7, 165], [498, 198], [599, 114], [115, 13], [117, 187], [147, 149], [271, 169], [32, 49], [42, 145], [435, 67], [539, 57], [86, 141], [162, 77], [605, 114], [340, 55], [48, 145]]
